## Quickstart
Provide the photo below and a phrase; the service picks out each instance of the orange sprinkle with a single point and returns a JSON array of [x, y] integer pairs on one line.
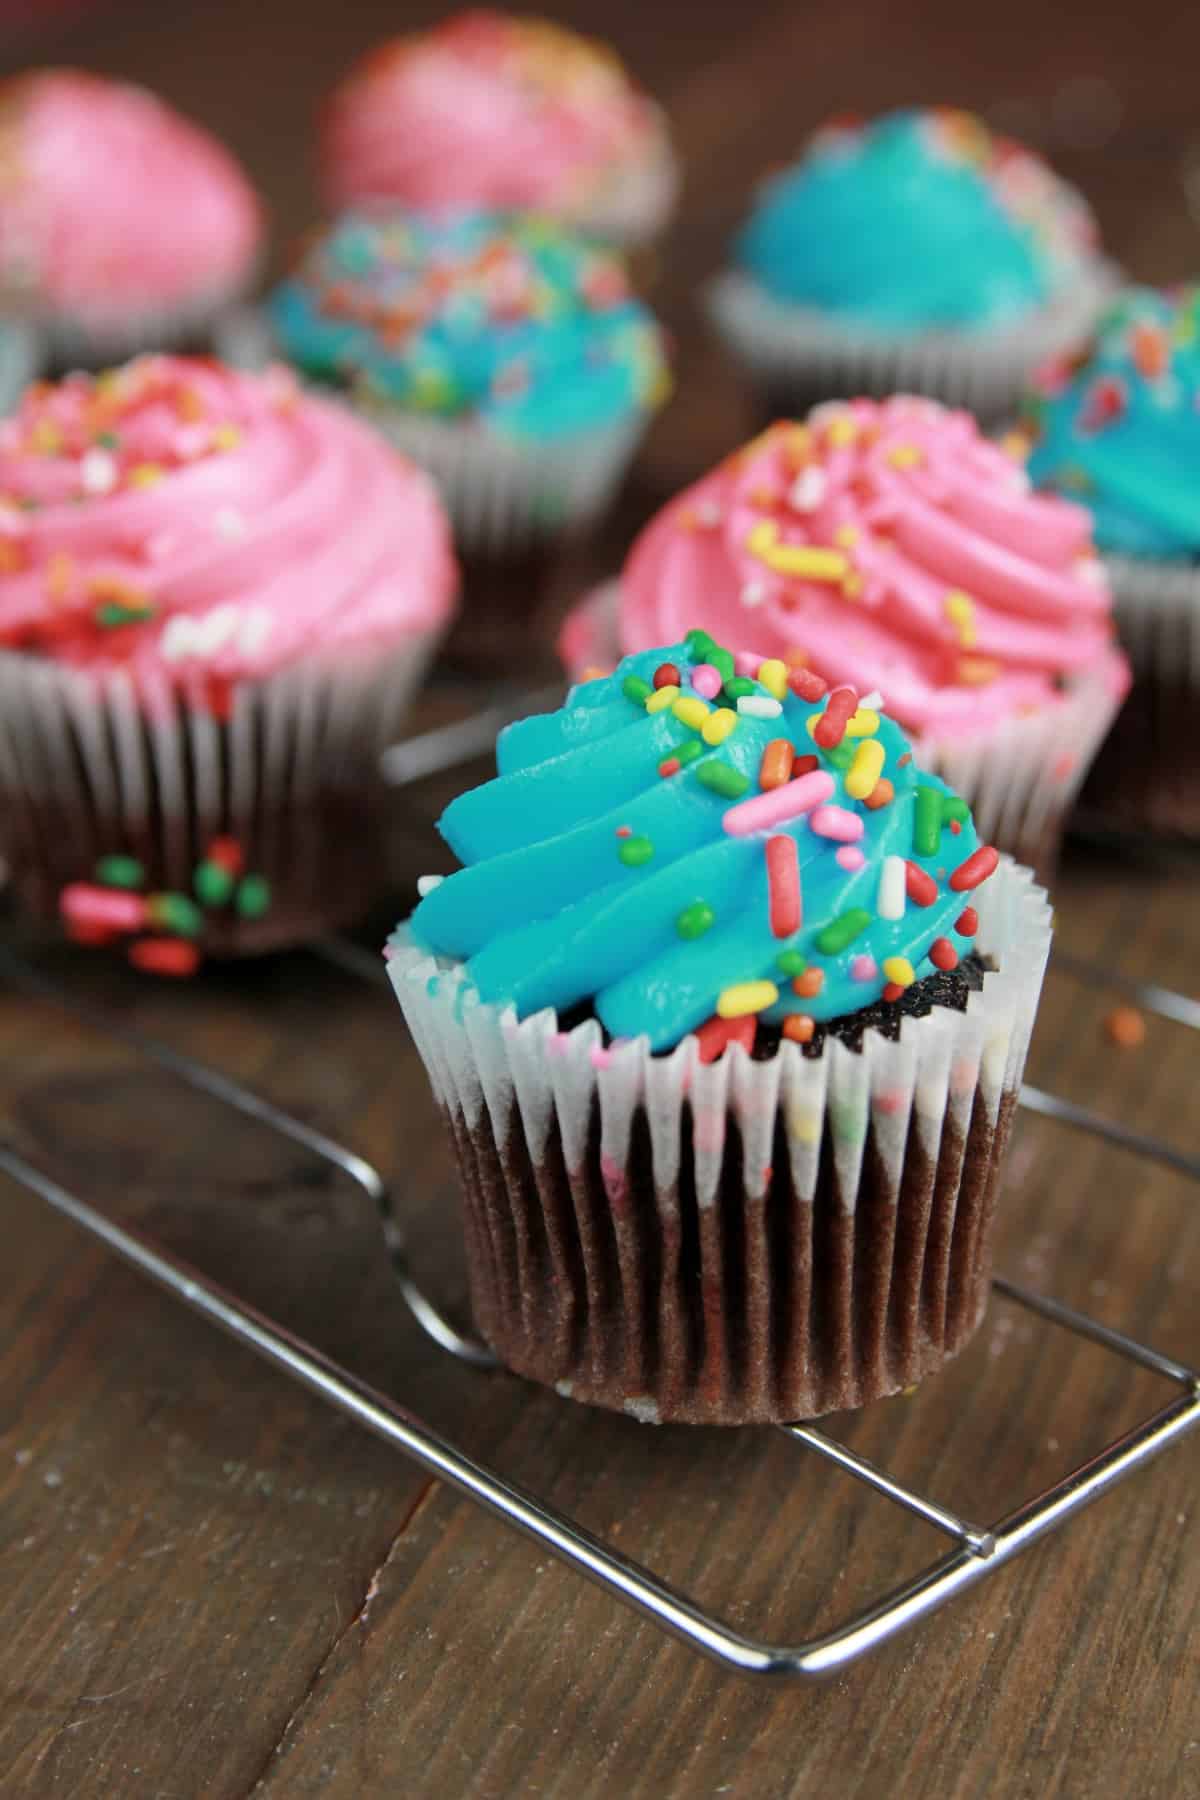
[[977, 671], [882, 794], [12, 555], [189, 405], [799, 1027], [775, 769], [144, 475], [808, 985], [1125, 1027], [60, 575]]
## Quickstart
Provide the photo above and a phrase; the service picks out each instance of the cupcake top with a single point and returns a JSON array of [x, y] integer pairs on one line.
[[1119, 428], [196, 526], [702, 836], [916, 221], [510, 319], [486, 110], [887, 544], [110, 201]]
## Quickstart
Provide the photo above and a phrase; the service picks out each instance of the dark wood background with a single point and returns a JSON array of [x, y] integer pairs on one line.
[[211, 1586]]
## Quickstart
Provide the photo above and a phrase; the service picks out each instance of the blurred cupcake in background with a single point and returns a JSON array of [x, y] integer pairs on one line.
[[918, 253], [503, 353], [889, 546], [217, 595], [1119, 431], [490, 111], [123, 226], [19, 360]]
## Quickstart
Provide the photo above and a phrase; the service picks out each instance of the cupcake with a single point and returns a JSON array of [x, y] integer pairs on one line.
[[495, 112], [726, 1012], [918, 253], [1119, 431], [19, 358], [888, 545], [123, 226], [216, 597], [504, 354]]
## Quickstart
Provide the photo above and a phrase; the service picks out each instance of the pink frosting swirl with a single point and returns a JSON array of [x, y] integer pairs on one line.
[[891, 547], [487, 110], [110, 201], [197, 527]]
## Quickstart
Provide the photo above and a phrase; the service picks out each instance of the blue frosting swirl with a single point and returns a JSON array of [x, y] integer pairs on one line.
[[1120, 431], [595, 871], [510, 318], [910, 224]]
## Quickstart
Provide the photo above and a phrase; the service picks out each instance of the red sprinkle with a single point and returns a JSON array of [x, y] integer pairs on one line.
[[717, 1033], [228, 854], [942, 954], [892, 991], [799, 1027], [840, 708], [955, 827], [79, 933], [165, 956], [967, 922], [977, 868], [775, 769], [807, 686], [670, 765], [902, 761], [918, 885], [804, 765], [666, 675], [783, 885], [624, 830]]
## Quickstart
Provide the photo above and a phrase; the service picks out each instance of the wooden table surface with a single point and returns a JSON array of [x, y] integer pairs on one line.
[[209, 1584]]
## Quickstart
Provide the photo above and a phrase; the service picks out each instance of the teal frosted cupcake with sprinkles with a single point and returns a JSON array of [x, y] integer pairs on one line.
[[726, 1011]]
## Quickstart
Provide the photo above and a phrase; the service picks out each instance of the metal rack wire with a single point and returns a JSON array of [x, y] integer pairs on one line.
[[975, 1551]]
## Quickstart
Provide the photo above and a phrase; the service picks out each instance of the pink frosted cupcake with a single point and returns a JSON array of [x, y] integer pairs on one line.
[[486, 110], [123, 226], [216, 597], [889, 546]]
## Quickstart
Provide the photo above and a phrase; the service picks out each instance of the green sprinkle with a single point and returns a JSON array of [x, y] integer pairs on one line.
[[790, 962], [927, 821], [120, 872], [113, 614], [954, 808], [700, 645], [688, 751], [843, 930], [213, 884], [842, 755], [253, 896], [637, 690], [695, 919], [740, 688], [108, 440], [723, 779], [634, 851], [722, 661], [175, 912]]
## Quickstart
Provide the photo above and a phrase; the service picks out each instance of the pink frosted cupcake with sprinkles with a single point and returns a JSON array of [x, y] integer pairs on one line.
[[488, 110], [217, 595], [890, 546], [123, 226]]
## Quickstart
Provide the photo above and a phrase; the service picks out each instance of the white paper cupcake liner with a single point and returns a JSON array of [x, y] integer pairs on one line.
[[19, 361], [986, 372], [1157, 608], [92, 767], [70, 341], [734, 1240]]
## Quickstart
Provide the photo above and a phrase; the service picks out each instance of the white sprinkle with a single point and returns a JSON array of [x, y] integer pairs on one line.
[[642, 1407], [1091, 570], [256, 630], [754, 593], [427, 883], [891, 900], [709, 514], [97, 472], [184, 636], [808, 490], [759, 706], [872, 702], [229, 523]]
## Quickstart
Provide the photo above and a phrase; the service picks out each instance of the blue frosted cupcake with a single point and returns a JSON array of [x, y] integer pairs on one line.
[[917, 254], [1118, 430]]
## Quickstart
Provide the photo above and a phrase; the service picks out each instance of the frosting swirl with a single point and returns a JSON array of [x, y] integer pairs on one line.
[[682, 841], [888, 544], [109, 200], [511, 319], [487, 110], [1118, 428], [915, 221], [189, 523]]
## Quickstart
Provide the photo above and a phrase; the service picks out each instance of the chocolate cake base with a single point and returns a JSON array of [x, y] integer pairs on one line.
[[511, 605], [1146, 778]]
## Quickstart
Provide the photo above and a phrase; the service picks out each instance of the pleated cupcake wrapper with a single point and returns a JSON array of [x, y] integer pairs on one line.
[[1157, 608], [587, 1170], [1019, 776], [639, 203], [91, 766], [71, 341], [784, 345], [19, 361]]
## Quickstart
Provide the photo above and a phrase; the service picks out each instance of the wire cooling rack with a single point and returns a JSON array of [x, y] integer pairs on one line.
[[974, 1551]]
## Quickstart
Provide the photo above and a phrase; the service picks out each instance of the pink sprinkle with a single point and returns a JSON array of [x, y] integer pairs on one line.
[[82, 904], [850, 857], [388, 953], [863, 968], [746, 662], [707, 681], [779, 804], [835, 822]]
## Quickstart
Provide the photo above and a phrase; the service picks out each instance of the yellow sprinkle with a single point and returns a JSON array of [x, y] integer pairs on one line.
[[852, 587], [12, 556], [144, 475], [798, 446], [865, 770], [60, 573], [773, 675], [847, 536], [905, 456], [46, 437], [746, 997], [661, 698], [977, 671], [841, 431], [810, 561], [864, 723], [1015, 444], [959, 608], [226, 437], [689, 709], [899, 970], [189, 405], [718, 725]]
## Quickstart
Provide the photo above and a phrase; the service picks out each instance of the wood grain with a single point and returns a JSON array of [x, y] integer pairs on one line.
[[209, 1586]]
